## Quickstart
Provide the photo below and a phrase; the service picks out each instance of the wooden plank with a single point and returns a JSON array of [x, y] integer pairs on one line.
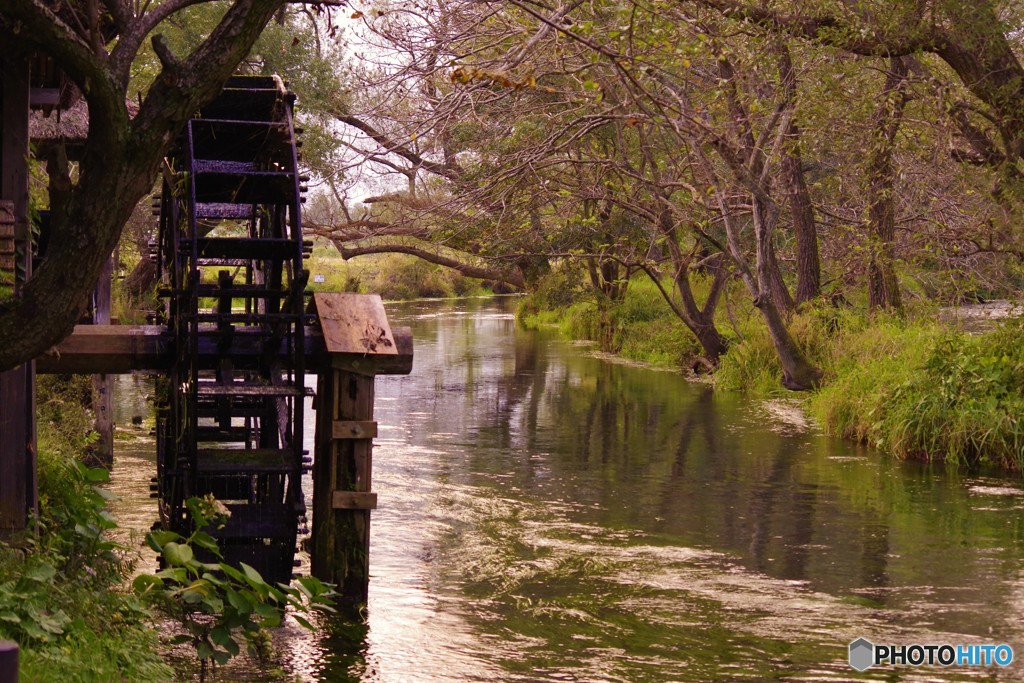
[[243, 460], [354, 429], [354, 500], [44, 97], [123, 348], [354, 323], [15, 477], [102, 404]]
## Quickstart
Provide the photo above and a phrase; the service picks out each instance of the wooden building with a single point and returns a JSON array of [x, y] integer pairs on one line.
[[17, 386]]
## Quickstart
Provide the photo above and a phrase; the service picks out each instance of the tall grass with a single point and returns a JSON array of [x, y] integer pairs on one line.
[[939, 396]]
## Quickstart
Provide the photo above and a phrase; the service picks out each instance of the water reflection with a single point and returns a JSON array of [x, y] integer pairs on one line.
[[548, 515]]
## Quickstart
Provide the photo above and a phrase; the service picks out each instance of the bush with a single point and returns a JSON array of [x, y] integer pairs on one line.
[[59, 595], [60, 600]]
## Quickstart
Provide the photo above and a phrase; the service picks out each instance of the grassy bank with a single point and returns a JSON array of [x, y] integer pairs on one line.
[[396, 277], [62, 594], [908, 386]]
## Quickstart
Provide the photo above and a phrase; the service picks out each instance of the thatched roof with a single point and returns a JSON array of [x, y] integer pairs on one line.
[[71, 124]]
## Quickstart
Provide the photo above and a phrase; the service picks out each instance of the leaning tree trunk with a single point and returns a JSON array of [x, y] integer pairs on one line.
[[883, 287], [808, 267], [798, 373], [700, 320]]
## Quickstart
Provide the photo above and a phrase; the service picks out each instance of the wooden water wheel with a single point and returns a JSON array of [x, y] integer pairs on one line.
[[231, 253]]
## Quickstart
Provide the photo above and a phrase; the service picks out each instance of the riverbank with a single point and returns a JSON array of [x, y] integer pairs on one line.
[[62, 594], [919, 387]]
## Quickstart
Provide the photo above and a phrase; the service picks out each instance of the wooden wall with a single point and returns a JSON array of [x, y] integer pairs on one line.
[[17, 386]]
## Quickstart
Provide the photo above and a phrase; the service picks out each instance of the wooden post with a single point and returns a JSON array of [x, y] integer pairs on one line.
[[8, 661], [17, 386], [102, 401], [342, 476]]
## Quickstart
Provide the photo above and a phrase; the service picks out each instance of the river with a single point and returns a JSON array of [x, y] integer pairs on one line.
[[550, 514]]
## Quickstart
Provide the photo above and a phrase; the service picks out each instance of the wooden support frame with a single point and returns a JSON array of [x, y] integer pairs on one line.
[[102, 396], [359, 344], [18, 494], [342, 477]]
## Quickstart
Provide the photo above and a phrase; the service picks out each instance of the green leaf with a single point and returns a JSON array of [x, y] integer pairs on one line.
[[271, 615], [213, 579], [303, 622], [177, 554], [239, 601], [42, 572], [221, 636], [97, 474], [232, 572], [204, 650], [157, 539], [253, 576], [175, 574], [144, 583], [206, 542]]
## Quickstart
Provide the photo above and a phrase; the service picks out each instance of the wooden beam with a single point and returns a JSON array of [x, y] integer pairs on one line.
[[354, 500], [354, 429], [116, 349], [44, 97], [102, 399], [342, 471], [18, 496]]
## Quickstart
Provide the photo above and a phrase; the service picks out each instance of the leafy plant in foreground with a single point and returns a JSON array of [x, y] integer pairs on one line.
[[221, 607]]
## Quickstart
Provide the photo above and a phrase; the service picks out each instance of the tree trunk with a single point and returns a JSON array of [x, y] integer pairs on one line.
[[798, 373], [808, 266], [883, 286], [699, 320]]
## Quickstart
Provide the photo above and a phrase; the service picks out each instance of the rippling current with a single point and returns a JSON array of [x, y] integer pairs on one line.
[[549, 514]]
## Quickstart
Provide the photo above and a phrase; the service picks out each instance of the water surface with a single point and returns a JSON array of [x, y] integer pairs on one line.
[[548, 514]]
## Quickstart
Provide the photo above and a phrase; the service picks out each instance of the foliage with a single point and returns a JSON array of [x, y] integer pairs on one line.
[[63, 414], [640, 326], [59, 596], [396, 277], [218, 605], [949, 396]]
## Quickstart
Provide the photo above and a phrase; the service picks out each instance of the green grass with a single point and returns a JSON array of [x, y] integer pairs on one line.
[[904, 385], [640, 327], [924, 393]]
